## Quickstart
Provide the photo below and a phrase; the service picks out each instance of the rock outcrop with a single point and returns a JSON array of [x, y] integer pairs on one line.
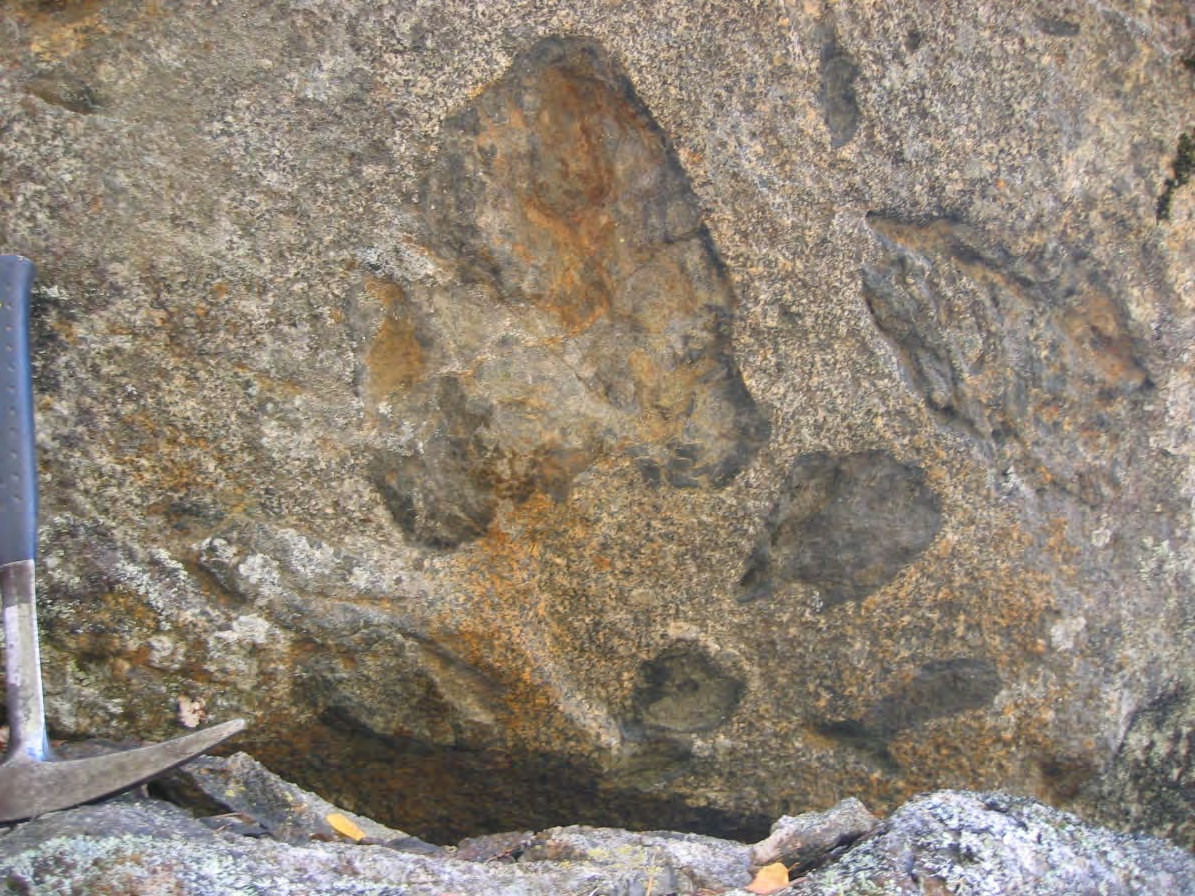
[[250, 832], [671, 415]]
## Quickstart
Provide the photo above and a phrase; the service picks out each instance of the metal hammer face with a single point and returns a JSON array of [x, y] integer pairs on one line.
[[31, 782]]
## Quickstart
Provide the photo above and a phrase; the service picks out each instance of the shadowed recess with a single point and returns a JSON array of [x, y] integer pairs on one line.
[[442, 794]]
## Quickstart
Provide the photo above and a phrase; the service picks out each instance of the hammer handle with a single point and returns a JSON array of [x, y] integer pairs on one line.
[[18, 464]]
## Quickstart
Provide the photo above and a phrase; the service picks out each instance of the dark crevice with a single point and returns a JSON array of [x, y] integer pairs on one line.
[[443, 794]]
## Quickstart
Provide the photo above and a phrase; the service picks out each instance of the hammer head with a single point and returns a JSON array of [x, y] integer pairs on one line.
[[30, 787]]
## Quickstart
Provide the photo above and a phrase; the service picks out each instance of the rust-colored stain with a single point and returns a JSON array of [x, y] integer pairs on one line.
[[569, 230], [395, 359], [59, 28], [512, 629], [589, 315]]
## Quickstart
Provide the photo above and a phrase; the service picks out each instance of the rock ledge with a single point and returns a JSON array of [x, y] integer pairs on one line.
[[269, 836]]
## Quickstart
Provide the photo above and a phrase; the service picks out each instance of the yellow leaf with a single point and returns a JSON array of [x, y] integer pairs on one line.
[[769, 879], [344, 827]]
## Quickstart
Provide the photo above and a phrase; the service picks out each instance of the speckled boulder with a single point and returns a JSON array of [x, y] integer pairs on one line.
[[662, 415], [957, 842], [972, 843]]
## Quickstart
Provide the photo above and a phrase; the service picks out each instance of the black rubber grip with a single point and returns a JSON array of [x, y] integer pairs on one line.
[[18, 463]]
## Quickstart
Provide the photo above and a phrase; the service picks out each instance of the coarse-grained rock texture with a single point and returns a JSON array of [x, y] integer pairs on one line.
[[972, 843], [248, 831], [655, 415]]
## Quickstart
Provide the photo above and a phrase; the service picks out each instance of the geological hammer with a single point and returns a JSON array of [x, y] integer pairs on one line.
[[32, 782]]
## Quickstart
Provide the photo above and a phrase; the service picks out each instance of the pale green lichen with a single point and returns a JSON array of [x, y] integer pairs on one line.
[[130, 863], [176, 866], [991, 844]]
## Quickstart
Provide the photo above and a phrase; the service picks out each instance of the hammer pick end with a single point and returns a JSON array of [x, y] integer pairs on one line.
[[29, 788]]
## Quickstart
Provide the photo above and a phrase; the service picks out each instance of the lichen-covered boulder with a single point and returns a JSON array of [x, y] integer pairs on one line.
[[972, 843], [268, 836], [660, 415]]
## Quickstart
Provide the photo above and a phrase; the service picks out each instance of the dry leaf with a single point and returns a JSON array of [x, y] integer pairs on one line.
[[344, 827], [191, 711], [769, 879]]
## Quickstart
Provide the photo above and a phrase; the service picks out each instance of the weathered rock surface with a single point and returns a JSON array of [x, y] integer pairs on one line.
[[799, 841], [966, 842], [269, 836], [655, 415], [240, 785]]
